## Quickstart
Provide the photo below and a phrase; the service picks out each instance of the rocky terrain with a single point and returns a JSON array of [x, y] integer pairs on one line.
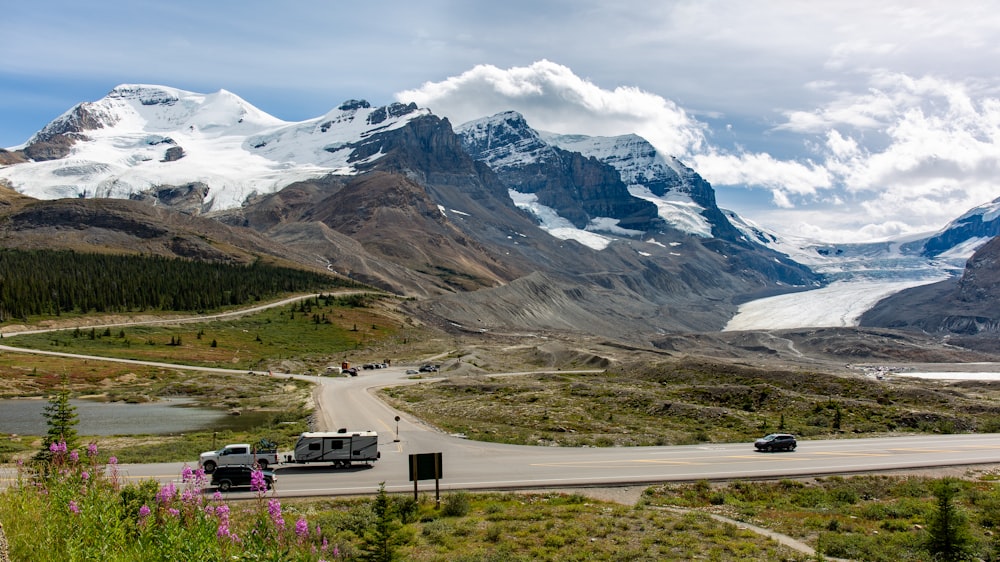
[[496, 228], [967, 305]]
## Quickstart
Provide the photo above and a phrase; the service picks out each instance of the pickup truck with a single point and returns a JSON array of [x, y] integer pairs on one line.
[[238, 454]]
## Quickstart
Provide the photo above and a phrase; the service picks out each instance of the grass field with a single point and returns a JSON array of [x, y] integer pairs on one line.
[[311, 333], [676, 402], [302, 337]]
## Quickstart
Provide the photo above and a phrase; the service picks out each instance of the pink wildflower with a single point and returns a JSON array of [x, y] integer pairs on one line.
[[73, 507], [257, 481], [199, 478], [112, 460], [85, 475], [186, 473], [92, 449], [217, 496], [274, 510], [302, 528], [166, 493], [222, 512], [74, 455], [144, 511], [173, 511]]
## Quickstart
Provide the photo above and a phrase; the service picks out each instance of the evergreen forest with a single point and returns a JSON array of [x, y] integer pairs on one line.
[[49, 282]]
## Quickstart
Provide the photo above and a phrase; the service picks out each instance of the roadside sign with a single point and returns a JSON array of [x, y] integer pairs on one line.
[[425, 466]]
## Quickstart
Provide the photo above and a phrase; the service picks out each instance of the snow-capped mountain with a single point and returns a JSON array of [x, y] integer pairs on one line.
[[389, 196], [640, 189], [141, 138], [393, 196], [650, 176], [964, 235]]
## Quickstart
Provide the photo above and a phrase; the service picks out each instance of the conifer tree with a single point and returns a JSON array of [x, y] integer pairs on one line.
[[948, 532], [382, 538], [61, 418]]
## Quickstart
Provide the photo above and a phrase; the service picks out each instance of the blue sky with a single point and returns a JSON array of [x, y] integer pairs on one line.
[[852, 120]]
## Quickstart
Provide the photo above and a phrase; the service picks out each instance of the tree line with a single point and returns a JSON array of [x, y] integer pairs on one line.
[[54, 282]]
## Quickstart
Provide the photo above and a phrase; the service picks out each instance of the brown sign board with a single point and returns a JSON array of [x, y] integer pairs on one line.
[[426, 466]]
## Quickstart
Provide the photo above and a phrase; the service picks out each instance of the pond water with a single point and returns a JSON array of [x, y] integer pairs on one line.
[[173, 415]]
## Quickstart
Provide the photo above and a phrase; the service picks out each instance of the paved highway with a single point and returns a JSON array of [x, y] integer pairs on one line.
[[349, 402]]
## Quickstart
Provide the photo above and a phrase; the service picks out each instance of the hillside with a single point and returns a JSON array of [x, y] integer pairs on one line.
[[966, 305], [493, 228], [133, 227]]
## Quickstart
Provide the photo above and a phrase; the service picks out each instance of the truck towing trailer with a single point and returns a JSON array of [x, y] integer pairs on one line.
[[340, 448]]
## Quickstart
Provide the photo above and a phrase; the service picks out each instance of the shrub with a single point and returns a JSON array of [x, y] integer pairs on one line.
[[456, 504]]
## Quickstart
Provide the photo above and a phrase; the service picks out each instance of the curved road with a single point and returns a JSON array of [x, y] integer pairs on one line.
[[348, 402]]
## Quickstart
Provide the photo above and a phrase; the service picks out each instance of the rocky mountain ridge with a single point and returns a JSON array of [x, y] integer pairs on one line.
[[488, 232]]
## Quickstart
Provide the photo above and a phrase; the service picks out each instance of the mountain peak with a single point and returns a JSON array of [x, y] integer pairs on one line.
[[146, 94], [504, 140]]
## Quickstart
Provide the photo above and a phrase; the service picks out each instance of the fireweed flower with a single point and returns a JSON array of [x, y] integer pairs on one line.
[[144, 511], [217, 496], [112, 460], [166, 493], [199, 478], [92, 449], [257, 481], [274, 510], [73, 507], [191, 495], [74, 455], [186, 474], [222, 512], [302, 528]]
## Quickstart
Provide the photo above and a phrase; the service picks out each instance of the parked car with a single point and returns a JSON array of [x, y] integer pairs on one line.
[[228, 477], [776, 442], [411, 372]]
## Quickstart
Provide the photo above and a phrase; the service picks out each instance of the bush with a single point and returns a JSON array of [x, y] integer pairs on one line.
[[456, 504]]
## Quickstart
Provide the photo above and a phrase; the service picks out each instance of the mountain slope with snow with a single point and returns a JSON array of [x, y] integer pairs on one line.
[[140, 138]]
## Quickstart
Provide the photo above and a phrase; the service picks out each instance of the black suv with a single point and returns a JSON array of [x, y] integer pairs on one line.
[[226, 477], [776, 442]]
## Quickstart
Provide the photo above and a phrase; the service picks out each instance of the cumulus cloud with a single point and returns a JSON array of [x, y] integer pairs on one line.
[[553, 98], [900, 156], [906, 155]]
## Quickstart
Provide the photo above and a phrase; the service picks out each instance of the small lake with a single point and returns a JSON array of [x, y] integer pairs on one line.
[[166, 416]]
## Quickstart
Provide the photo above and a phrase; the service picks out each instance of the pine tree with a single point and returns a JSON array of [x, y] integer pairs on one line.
[[381, 538], [61, 418], [949, 537]]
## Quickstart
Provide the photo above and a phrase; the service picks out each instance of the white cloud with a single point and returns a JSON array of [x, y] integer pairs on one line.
[[911, 153], [555, 99], [902, 155], [760, 169]]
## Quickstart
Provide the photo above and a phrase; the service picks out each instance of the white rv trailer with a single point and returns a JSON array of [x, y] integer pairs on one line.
[[340, 448]]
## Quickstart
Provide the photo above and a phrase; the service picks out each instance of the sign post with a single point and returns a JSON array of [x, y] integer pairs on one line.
[[424, 466]]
